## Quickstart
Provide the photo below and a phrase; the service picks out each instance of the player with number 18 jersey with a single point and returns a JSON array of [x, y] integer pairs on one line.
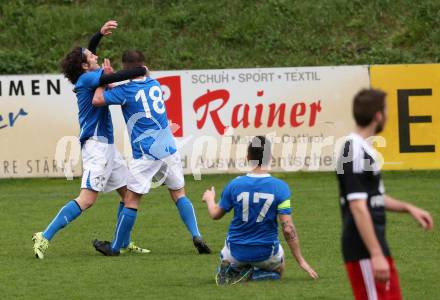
[[146, 118], [154, 151]]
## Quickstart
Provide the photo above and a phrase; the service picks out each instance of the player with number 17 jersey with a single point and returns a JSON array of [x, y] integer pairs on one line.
[[252, 249], [257, 199]]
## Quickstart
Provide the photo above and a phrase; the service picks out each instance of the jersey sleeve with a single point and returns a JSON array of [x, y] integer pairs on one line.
[[226, 201], [114, 96], [283, 197], [122, 75], [352, 176], [94, 42], [90, 80]]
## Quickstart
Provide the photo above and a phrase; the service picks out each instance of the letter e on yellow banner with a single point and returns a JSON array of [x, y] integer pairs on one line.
[[412, 133]]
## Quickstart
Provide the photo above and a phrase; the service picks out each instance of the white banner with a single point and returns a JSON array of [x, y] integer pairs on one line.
[[304, 111]]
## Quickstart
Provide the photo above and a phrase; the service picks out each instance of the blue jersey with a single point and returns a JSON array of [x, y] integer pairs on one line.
[[94, 122], [256, 200], [145, 114]]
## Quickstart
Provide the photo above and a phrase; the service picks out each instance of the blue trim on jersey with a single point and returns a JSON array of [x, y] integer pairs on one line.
[[285, 211], [88, 185]]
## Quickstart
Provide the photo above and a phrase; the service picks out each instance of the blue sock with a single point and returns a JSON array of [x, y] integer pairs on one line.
[[188, 215], [67, 214], [120, 207], [125, 224], [128, 237]]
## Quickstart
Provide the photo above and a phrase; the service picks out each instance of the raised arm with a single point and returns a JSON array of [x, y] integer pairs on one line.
[[105, 30], [423, 217], [214, 211], [291, 237], [94, 42]]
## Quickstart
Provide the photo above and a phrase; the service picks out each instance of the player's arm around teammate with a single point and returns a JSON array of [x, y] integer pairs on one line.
[[87, 196], [80, 67], [153, 147]]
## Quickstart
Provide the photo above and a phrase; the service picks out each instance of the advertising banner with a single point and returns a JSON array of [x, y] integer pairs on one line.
[[36, 113], [303, 110], [214, 113]]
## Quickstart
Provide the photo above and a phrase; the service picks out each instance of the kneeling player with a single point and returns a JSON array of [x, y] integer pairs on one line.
[[252, 244]]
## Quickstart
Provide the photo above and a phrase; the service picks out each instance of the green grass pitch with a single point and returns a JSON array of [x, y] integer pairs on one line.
[[73, 270]]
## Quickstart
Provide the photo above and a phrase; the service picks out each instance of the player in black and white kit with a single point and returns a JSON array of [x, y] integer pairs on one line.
[[363, 204]]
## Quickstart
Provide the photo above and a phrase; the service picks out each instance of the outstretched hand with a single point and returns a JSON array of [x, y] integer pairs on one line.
[[108, 27], [307, 268]]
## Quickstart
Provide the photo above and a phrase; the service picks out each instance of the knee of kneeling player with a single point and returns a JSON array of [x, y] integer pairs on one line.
[[280, 269]]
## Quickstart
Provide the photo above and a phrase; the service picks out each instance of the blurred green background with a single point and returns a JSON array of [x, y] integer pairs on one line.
[[194, 34]]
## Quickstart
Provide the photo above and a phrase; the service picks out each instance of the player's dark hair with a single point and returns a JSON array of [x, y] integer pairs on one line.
[[366, 104], [259, 151], [133, 58], [71, 65]]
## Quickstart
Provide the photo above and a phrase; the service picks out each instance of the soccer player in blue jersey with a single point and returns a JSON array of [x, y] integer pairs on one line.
[[104, 167], [258, 200], [154, 152]]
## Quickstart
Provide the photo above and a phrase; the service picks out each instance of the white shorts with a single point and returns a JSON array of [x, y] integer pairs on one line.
[[104, 167], [272, 263], [167, 170]]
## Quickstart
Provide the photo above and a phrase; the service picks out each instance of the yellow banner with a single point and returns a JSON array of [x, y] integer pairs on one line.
[[412, 133]]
